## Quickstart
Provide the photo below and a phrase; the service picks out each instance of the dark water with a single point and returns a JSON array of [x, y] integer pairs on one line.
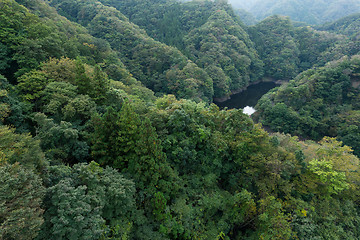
[[248, 97]]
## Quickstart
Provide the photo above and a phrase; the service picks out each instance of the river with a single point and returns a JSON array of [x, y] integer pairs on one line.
[[248, 98]]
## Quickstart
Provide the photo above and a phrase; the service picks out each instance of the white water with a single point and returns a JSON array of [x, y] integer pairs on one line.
[[249, 110]]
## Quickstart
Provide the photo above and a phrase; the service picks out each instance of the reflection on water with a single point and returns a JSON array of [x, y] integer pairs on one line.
[[249, 110], [248, 98]]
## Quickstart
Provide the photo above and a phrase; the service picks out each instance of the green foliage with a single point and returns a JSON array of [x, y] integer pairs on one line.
[[74, 217], [101, 85], [82, 81], [311, 12], [60, 142], [31, 85], [86, 201], [21, 194], [125, 142], [56, 96], [273, 223], [4, 105], [333, 180], [197, 172], [4, 58], [246, 17], [224, 49], [117, 133], [32, 36], [159, 202], [346, 26], [167, 21], [287, 50], [21, 148], [91, 81], [316, 103], [274, 38], [148, 60]]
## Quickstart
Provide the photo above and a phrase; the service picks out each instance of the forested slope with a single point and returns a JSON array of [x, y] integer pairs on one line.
[[28, 39], [160, 67], [88, 152], [319, 102], [211, 35], [287, 50], [226, 52], [207, 32], [348, 25], [309, 11]]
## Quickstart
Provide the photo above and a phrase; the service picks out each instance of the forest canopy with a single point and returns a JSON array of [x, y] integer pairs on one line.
[[108, 130], [309, 11]]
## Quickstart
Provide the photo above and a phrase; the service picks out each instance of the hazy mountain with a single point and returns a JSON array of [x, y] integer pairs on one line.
[[242, 3], [246, 17], [312, 12], [348, 26]]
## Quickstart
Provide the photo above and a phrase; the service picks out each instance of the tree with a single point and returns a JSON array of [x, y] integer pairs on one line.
[[223, 48], [22, 148], [334, 181], [60, 142], [147, 59], [123, 141], [335, 166], [56, 96], [115, 136], [60, 70], [82, 81], [88, 202], [4, 106], [273, 223], [21, 195], [31, 85], [101, 85], [73, 216]]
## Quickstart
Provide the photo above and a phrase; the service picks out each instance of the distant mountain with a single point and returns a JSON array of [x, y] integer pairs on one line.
[[244, 4], [246, 17], [309, 11], [349, 26]]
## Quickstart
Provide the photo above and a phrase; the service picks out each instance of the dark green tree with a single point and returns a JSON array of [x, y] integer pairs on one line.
[[100, 85], [21, 195], [88, 202]]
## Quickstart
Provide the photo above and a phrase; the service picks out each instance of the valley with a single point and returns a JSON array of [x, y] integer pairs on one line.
[[109, 130]]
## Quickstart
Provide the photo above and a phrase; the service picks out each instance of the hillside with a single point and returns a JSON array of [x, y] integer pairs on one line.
[[287, 50], [348, 25], [229, 66], [233, 55], [246, 17], [319, 102], [311, 12], [108, 130], [151, 62]]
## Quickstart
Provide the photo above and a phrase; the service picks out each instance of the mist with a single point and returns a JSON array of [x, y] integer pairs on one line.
[[245, 4]]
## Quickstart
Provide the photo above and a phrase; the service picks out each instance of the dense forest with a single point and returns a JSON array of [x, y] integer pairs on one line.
[[108, 128], [348, 26], [308, 11]]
